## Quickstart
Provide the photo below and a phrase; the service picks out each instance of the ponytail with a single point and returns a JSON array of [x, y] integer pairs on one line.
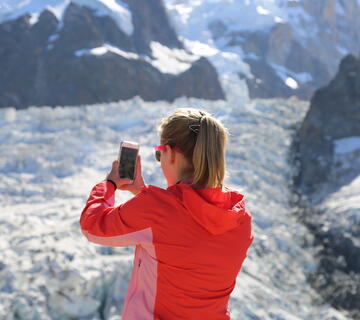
[[209, 154], [203, 140]]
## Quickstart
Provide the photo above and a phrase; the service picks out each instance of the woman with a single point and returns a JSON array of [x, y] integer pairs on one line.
[[191, 238]]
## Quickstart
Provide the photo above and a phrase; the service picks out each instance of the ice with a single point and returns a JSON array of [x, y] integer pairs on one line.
[[346, 145], [342, 209]]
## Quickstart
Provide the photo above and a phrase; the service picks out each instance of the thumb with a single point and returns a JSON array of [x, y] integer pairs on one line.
[[115, 164]]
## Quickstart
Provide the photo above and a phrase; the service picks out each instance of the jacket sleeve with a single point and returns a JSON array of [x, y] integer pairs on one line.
[[128, 224]]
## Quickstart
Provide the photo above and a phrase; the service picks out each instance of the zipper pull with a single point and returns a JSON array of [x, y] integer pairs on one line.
[[139, 263]]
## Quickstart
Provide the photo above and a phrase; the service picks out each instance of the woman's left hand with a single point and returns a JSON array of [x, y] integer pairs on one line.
[[124, 184]]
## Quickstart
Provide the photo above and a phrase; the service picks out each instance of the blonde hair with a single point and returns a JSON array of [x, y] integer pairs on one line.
[[203, 140]]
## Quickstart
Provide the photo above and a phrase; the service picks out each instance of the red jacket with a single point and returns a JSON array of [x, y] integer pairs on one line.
[[190, 246]]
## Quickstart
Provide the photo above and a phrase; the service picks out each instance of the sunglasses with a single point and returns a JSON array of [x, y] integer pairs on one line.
[[163, 147]]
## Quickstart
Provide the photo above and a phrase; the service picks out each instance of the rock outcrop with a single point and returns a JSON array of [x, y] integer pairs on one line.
[[327, 152], [67, 63], [334, 114], [151, 23]]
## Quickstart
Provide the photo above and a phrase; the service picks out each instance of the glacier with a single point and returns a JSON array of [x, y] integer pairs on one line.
[[51, 158]]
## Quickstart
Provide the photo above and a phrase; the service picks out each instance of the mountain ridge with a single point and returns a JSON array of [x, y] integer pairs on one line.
[[44, 67]]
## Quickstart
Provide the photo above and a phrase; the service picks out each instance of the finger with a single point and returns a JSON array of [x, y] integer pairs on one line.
[[138, 166]]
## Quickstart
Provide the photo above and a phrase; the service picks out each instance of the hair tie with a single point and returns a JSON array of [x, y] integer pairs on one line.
[[195, 127]]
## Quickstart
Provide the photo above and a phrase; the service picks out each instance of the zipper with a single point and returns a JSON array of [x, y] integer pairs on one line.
[[136, 280], [137, 270]]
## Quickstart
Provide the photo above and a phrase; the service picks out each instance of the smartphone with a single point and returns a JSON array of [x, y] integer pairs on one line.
[[127, 159]]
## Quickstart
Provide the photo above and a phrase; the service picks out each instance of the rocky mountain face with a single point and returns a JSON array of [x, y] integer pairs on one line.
[[86, 58], [151, 24], [300, 51], [328, 151], [334, 114]]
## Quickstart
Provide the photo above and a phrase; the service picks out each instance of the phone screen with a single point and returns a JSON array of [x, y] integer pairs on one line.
[[127, 162]]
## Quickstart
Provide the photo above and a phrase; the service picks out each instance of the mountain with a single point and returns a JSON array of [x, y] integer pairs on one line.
[[83, 52], [290, 47], [327, 146], [165, 50]]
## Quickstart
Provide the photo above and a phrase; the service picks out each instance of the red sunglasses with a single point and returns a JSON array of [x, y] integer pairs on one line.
[[163, 147]]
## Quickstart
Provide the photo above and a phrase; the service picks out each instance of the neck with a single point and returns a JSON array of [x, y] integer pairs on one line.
[[184, 177]]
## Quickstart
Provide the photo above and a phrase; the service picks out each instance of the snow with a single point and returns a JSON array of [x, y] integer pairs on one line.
[[290, 78], [341, 209], [303, 77], [290, 82], [58, 10], [117, 9], [98, 51], [34, 18], [191, 18], [173, 61], [346, 145], [12, 9], [262, 10]]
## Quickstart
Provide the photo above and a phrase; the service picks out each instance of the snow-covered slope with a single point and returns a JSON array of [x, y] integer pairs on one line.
[[193, 16], [300, 41], [50, 159]]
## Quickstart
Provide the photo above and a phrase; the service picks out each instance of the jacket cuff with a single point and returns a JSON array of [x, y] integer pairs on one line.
[[113, 183]]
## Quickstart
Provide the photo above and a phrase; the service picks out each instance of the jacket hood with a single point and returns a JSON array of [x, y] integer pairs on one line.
[[216, 210]]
